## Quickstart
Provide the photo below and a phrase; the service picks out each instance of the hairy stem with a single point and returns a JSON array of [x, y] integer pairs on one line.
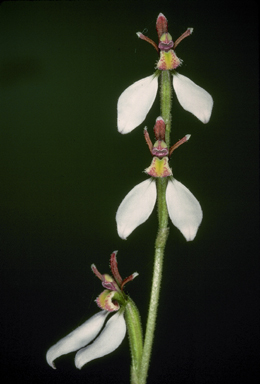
[[162, 235], [135, 334], [166, 98]]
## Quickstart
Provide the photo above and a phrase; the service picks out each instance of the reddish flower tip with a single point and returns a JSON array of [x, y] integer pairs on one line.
[[161, 25], [143, 37], [148, 140], [129, 278], [114, 268], [159, 118], [180, 142], [96, 272], [159, 129]]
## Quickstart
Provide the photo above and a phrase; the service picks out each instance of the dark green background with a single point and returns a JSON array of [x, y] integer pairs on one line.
[[64, 169]]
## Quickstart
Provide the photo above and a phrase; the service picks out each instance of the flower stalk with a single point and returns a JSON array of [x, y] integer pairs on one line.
[[162, 235], [174, 200], [165, 99], [135, 334]]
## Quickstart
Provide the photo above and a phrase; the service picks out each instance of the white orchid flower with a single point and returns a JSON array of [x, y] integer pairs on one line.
[[112, 334], [183, 208], [136, 101]]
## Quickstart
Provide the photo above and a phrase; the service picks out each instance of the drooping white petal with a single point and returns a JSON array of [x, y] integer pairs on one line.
[[184, 209], [136, 207], [193, 98], [135, 102], [78, 338], [109, 339]]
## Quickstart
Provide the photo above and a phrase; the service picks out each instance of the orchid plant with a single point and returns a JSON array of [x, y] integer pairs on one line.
[[99, 336]]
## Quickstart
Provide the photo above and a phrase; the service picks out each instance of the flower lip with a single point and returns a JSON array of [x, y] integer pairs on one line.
[[168, 60], [105, 301], [159, 168]]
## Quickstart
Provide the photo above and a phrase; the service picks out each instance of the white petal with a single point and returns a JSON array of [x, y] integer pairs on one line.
[[136, 207], [192, 97], [184, 209], [109, 339], [81, 336], [135, 102]]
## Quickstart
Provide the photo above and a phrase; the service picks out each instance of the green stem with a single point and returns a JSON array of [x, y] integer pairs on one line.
[[166, 98], [135, 334], [160, 242]]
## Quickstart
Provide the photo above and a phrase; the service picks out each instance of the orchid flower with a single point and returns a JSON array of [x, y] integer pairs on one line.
[[136, 101], [113, 299], [183, 208]]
